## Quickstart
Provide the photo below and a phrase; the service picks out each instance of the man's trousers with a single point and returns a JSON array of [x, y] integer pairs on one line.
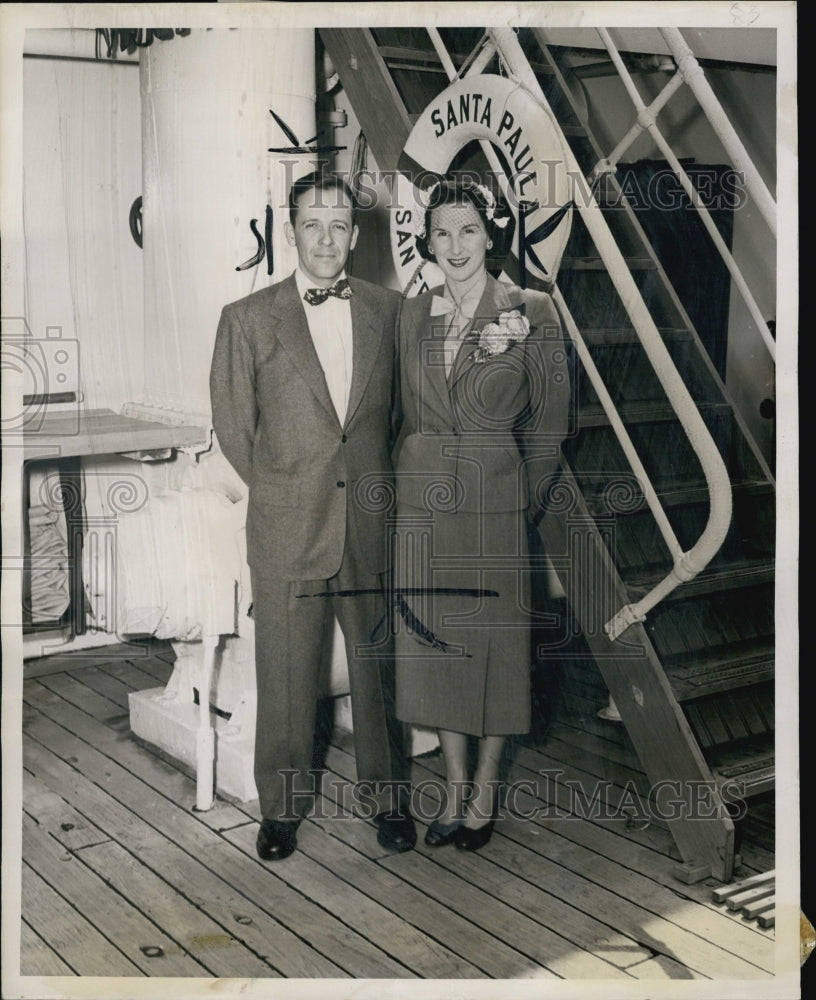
[[293, 625]]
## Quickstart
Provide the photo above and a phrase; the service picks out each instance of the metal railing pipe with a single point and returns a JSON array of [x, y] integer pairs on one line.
[[615, 421], [442, 52], [657, 105], [694, 76], [646, 120], [716, 475]]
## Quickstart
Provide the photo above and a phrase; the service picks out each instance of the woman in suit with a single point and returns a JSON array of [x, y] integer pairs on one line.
[[485, 396]]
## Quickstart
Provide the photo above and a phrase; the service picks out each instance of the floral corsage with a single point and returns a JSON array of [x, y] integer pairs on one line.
[[495, 338]]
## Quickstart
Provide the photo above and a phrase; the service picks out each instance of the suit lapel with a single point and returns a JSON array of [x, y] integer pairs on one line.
[[494, 300], [367, 333], [292, 332], [431, 345]]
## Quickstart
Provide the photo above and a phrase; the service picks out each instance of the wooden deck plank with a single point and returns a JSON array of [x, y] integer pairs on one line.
[[600, 762], [570, 786], [163, 650], [565, 783], [751, 910], [593, 848], [721, 894], [647, 852], [585, 931], [419, 954], [58, 663], [37, 958], [327, 839], [57, 817], [668, 925], [293, 922], [189, 882], [148, 948], [661, 967], [104, 684], [125, 749], [696, 935], [582, 928], [199, 935], [223, 901], [617, 750], [492, 915], [96, 705], [542, 946], [90, 774], [507, 873], [141, 675], [77, 942]]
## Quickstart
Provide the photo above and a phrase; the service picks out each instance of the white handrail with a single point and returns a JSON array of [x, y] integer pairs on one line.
[[647, 122], [608, 163], [629, 450], [480, 56], [688, 564], [694, 76]]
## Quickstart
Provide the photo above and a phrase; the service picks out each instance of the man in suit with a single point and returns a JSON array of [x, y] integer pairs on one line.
[[302, 386]]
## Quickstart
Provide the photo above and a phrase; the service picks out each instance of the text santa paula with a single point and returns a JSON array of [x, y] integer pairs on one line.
[[476, 109]]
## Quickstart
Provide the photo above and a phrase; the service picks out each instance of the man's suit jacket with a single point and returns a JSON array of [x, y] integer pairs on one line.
[[308, 476], [491, 431]]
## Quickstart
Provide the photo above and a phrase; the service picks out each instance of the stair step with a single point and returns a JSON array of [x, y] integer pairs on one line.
[[624, 335], [720, 668], [591, 263], [676, 494], [645, 412], [726, 576], [749, 770]]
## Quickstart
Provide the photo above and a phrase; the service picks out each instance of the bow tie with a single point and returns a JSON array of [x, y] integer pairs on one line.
[[340, 289]]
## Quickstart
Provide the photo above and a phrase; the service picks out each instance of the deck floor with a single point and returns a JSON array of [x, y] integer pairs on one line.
[[121, 877]]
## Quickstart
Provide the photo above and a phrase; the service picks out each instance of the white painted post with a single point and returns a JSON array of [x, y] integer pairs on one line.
[[205, 737]]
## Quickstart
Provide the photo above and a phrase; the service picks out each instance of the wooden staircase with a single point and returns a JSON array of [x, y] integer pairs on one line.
[[694, 683]]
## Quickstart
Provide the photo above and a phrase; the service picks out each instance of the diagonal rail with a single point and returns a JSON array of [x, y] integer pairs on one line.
[[646, 122], [692, 74], [686, 564]]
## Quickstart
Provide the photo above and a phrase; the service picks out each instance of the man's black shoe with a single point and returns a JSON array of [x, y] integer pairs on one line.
[[396, 831], [276, 840]]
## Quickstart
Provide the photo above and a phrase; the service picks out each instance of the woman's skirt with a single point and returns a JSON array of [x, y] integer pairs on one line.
[[462, 621]]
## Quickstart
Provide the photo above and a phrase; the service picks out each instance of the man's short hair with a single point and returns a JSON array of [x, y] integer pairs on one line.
[[328, 184]]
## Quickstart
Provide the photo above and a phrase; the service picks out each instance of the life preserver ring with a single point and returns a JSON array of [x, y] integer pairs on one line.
[[528, 140]]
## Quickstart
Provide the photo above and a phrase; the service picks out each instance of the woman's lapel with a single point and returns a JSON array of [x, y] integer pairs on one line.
[[495, 299], [431, 348]]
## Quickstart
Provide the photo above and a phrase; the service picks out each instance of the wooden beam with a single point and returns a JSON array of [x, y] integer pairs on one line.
[[632, 672], [371, 90]]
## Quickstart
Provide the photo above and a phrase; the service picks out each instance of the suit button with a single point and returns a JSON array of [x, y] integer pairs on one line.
[[340, 484], [344, 439]]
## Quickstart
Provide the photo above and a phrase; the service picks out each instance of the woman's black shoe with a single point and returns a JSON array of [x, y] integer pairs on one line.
[[440, 834], [471, 840]]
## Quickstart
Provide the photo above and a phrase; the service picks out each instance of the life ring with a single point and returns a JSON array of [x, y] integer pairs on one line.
[[528, 140]]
